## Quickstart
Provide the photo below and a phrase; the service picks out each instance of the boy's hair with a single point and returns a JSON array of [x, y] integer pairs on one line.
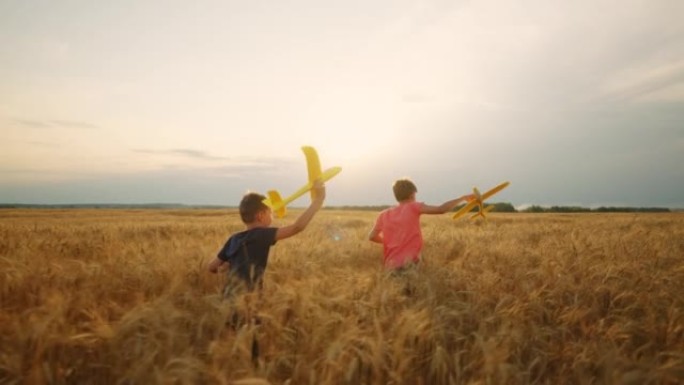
[[403, 188], [250, 205]]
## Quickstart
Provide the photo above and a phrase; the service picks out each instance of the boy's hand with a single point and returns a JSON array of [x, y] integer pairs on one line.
[[468, 197], [215, 265], [319, 190]]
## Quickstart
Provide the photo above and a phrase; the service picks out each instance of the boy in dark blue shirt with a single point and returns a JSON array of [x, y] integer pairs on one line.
[[246, 252]]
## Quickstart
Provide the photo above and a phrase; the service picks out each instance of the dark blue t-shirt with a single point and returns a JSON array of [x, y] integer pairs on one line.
[[247, 253]]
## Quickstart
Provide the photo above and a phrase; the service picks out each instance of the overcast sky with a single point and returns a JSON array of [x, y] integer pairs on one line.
[[573, 102]]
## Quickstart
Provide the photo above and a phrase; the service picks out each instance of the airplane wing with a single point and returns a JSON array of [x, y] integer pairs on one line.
[[469, 206], [495, 190], [313, 165], [278, 205], [482, 213], [327, 175]]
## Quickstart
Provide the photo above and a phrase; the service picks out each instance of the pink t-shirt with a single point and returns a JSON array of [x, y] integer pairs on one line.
[[402, 239]]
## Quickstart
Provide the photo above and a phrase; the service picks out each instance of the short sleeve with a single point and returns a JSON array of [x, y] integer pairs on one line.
[[222, 255], [267, 235]]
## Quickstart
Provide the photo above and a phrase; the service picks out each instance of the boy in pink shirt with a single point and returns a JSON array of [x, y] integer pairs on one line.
[[398, 227]]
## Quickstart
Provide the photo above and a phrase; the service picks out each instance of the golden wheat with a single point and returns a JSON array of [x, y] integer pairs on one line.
[[122, 296]]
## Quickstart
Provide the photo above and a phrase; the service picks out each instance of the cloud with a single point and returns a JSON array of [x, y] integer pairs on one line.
[[533, 55], [223, 184], [27, 123], [183, 152], [636, 83], [74, 124], [229, 162], [17, 176], [236, 168], [25, 170], [417, 98], [40, 143], [48, 124]]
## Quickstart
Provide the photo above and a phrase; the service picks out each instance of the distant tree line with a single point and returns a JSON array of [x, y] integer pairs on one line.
[[505, 207], [499, 207], [358, 208], [556, 209], [124, 206], [578, 209]]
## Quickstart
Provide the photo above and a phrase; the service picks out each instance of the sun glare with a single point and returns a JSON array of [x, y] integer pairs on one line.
[[353, 145]]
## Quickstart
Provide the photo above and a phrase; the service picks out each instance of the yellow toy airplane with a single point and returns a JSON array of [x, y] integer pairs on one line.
[[313, 165], [479, 201]]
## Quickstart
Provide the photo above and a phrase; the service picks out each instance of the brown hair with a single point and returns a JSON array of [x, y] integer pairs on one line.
[[250, 205], [403, 188]]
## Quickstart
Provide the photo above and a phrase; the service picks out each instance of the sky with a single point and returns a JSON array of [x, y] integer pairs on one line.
[[573, 102]]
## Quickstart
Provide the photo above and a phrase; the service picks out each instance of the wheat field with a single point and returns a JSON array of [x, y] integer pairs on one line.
[[123, 297]]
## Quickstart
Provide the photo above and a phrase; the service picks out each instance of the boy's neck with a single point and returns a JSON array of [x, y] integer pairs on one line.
[[254, 225], [407, 200]]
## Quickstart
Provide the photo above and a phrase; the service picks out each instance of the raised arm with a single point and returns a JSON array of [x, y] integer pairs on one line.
[[304, 219], [446, 206]]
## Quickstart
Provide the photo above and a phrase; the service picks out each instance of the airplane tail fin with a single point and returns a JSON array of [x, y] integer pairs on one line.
[[275, 202], [313, 165], [477, 194], [488, 209], [482, 212]]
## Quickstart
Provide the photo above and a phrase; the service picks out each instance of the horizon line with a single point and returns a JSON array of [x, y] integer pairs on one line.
[[218, 206]]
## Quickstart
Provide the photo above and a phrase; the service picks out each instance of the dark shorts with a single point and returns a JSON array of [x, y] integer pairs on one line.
[[406, 269], [236, 286]]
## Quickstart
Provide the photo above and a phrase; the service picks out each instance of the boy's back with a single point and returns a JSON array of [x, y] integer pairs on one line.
[[247, 253], [403, 239]]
